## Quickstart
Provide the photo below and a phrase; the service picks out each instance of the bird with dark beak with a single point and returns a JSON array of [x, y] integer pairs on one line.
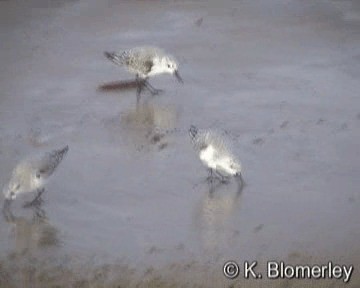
[[215, 153], [146, 62], [30, 175]]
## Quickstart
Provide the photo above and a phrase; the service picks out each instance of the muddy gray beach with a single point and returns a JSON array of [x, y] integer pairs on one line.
[[129, 207]]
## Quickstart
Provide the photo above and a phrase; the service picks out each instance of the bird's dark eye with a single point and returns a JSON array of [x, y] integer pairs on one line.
[[168, 65]]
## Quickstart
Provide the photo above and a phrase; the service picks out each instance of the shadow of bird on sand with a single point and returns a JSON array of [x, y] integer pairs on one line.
[[118, 86]]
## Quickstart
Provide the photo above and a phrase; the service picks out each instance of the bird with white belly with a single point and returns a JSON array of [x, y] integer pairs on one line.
[[30, 175], [214, 153]]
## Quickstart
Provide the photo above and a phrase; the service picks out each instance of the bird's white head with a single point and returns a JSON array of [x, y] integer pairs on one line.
[[169, 65], [11, 190], [235, 168]]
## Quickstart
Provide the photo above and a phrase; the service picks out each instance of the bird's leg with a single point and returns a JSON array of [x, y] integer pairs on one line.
[[37, 200], [210, 178], [222, 178], [140, 84], [9, 217], [39, 214], [151, 88], [213, 188]]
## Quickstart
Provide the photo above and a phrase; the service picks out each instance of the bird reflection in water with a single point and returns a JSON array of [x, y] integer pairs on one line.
[[214, 215], [118, 86], [31, 233], [149, 124]]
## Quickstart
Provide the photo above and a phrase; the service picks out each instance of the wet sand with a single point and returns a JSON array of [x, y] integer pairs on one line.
[[129, 206]]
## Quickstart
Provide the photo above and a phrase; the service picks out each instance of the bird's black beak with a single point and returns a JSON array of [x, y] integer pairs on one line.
[[241, 181], [178, 77]]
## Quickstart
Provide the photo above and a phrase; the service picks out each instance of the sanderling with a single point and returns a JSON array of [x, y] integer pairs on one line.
[[214, 152], [31, 175], [146, 62]]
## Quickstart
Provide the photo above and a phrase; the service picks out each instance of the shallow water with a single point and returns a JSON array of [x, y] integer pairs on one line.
[[281, 78]]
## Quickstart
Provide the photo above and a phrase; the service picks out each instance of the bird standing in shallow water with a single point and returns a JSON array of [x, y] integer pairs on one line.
[[145, 62], [31, 175], [215, 154]]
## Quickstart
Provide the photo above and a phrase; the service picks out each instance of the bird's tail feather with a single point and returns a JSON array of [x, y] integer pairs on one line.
[[51, 163], [63, 151], [193, 131], [58, 155], [114, 57]]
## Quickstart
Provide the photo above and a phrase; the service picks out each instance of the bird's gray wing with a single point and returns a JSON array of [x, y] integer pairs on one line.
[[148, 66], [140, 63]]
